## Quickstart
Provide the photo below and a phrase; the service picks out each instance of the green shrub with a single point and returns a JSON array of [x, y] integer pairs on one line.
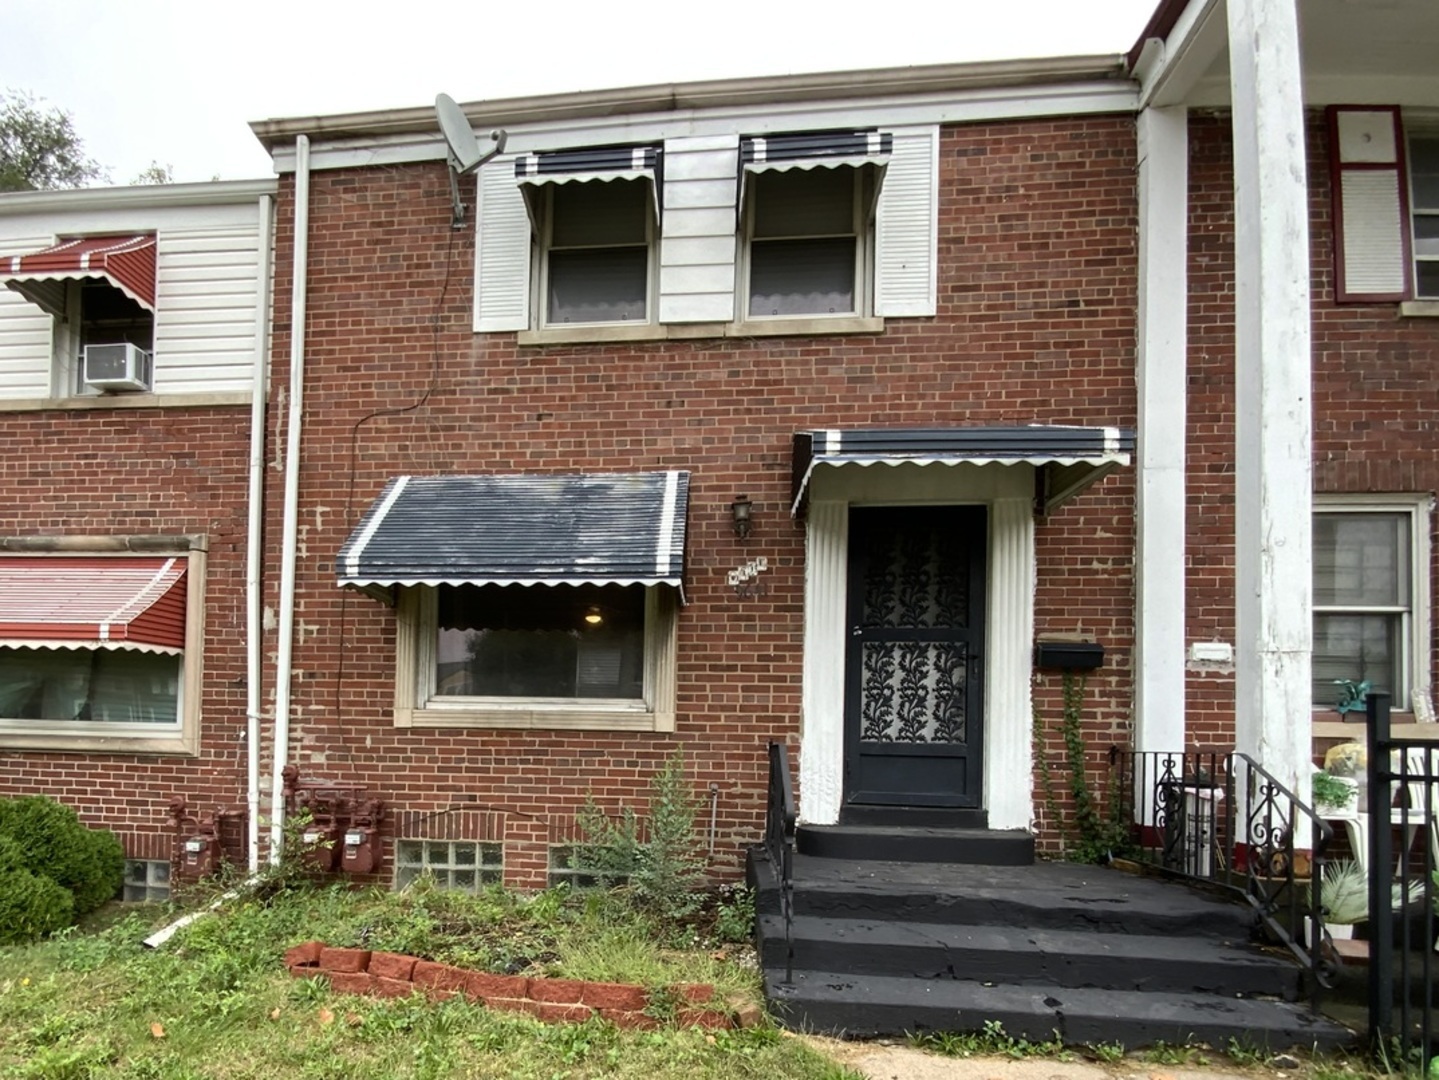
[[32, 906], [49, 839]]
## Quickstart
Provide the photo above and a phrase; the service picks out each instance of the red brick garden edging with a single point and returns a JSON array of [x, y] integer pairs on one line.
[[389, 975]]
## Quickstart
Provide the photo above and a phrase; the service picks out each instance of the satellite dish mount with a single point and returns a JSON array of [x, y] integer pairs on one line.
[[464, 152]]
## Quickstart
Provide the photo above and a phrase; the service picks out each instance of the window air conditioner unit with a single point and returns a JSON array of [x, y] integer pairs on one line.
[[117, 367]]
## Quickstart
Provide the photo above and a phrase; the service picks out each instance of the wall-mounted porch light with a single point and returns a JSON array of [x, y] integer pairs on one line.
[[593, 616], [740, 513]]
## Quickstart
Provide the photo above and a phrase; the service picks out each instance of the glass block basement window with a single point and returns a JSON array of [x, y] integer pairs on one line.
[[146, 881], [466, 865]]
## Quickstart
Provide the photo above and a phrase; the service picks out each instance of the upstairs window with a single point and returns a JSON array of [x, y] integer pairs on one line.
[[594, 214], [1424, 200], [808, 205]]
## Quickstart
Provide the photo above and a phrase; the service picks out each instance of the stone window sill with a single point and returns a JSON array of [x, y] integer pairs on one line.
[[752, 328], [125, 401], [1419, 309]]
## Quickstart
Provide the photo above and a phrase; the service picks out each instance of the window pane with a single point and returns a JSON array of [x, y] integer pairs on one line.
[[1424, 172], [599, 213], [1361, 560], [111, 685], [1426, 235], [1426, 278], [1354, 647], [598, 285], [804, 202], [495, 641], [802, 277]]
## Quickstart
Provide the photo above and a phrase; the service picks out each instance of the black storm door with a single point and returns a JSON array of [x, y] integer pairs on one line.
[[914, 709]]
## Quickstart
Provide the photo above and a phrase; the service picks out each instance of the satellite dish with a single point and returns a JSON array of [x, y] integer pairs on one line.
[[465, 154]]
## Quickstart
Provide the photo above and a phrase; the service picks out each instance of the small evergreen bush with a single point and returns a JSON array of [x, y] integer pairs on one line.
[[51, 867], [31, 906]]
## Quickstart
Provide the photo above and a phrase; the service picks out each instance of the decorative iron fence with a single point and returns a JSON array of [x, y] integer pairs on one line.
[[779, 828], [1403, 796], [1218, 817]]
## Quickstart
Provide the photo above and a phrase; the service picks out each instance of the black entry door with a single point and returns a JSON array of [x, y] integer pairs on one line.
[[913, 688]]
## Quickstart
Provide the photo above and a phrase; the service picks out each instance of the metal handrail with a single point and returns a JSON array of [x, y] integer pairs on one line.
[[779, 826], [1220, 818]]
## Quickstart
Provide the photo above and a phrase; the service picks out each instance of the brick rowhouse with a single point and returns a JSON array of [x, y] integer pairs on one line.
[[1036, 324]]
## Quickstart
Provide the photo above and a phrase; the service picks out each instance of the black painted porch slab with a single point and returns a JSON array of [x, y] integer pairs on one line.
[[879, 1005], [1008, 954], [1046, 895]]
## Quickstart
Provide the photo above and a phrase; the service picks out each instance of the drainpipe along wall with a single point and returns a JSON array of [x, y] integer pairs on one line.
[[254, 536], [290, 527]]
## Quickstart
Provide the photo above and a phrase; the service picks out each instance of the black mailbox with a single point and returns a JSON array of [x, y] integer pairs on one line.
[[1068, 655]]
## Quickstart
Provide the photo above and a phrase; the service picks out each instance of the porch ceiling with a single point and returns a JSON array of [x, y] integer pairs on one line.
[[1354, 52]]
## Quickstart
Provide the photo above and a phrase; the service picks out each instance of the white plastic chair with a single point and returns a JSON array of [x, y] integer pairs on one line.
[[1419, 799]]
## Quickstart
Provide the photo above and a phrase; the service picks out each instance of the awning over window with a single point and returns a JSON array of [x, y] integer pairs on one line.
[[1066, 459], [126, 262], [73, 601], [612, 528], [824, 150], [532, 171]]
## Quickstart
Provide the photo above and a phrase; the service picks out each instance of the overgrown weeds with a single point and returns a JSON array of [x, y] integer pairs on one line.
[[216, 1001]]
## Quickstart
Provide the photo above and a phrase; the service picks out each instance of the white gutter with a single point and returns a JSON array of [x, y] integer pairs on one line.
[[290, 529], [254, 536]]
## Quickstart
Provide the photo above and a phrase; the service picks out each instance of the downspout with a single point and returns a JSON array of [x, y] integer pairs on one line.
[[254, 537], [290, 528]]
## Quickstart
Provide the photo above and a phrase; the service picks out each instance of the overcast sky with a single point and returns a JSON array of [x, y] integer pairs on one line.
[[177, 81]]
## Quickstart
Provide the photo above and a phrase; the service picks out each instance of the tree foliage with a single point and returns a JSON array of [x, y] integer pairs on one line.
[[39, 147], [155, 173]]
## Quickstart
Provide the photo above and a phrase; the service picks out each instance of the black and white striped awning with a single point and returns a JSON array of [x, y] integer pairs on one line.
[[600, 528], [1066, 459], [532, 171], [818, 150]]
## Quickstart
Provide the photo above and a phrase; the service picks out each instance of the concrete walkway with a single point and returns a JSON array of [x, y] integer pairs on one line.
[[880, 1061]]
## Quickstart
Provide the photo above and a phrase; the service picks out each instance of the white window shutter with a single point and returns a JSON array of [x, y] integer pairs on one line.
[[502, 249], [907, 226], [1371, 216]]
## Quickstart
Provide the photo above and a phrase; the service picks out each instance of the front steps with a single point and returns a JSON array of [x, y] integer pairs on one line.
[[888, 947]]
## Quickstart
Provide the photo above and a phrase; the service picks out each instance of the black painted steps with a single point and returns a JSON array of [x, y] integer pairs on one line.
[[866, 1006], [916, 844], [915, 817], [1048, 896], [1022, 955]]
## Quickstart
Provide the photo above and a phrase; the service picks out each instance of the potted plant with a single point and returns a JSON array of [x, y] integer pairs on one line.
[[1334, 794], [1344, 894]]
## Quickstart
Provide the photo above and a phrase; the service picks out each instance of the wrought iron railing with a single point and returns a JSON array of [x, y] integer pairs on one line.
[[1218, 817], [779, 843], [1403, 799]]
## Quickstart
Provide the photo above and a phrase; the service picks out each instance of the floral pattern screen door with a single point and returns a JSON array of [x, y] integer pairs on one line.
[[913, 680]]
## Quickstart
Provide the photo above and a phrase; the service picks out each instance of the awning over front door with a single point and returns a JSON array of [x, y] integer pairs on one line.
[[62, 601], [1066, 459], [570, 529], [125, 262]]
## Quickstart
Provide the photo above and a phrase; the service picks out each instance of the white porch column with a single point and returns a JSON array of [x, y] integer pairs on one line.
[[1161, 376], [1009, 720], [1272, 390], [821, 756]]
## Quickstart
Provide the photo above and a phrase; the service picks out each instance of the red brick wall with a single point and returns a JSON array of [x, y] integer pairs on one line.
[[1376, 397], [119, 472], [1036, 323]]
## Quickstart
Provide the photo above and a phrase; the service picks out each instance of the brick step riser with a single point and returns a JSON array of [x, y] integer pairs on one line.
[[1051, 969], [869, 1019], [978, 911]]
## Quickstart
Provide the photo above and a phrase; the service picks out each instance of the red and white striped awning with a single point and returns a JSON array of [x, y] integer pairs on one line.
[[126, 262], [90, 601]]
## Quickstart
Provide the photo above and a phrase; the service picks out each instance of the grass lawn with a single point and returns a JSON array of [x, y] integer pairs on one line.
[[217, 1002]]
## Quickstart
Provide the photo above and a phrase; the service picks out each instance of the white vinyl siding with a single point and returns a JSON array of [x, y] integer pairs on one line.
[[697, 241], [907, 226], [205, 297], [502, 249], [206, 292], [25, 331]]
